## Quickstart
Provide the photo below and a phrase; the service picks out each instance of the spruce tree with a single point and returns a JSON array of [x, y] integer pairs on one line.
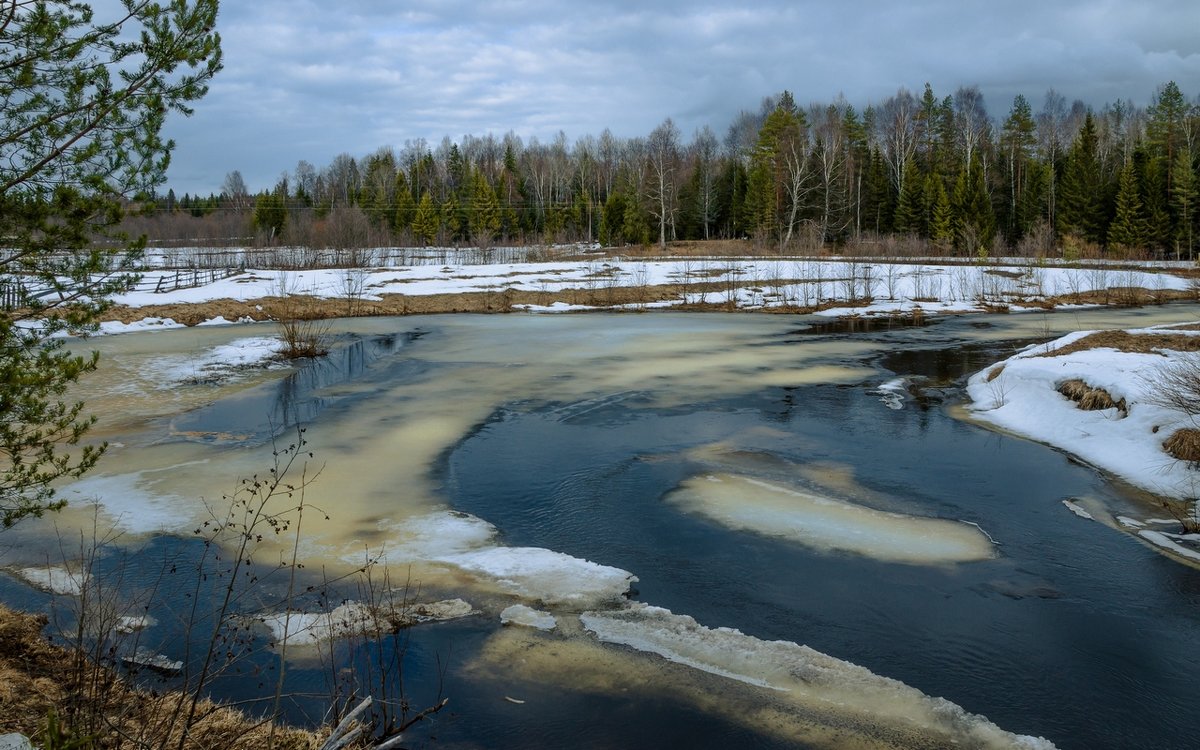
[[1128, 228], [406, 207], [910, 212], [484, 216], [1183, 203], [1081, 191], [426, 221], [941, 221], [974, 218]]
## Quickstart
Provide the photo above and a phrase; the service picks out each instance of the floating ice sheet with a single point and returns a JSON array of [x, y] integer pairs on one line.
[[807, 677], [828, 524]]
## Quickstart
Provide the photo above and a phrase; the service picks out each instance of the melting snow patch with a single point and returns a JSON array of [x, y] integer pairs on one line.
[[1130, 523], [806, 675], [519, 614]]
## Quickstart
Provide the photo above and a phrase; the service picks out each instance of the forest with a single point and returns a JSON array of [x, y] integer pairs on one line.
[[933, 174]]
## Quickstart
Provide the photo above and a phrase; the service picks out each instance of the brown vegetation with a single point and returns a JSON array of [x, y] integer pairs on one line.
[[34, 682], [1184, 444], [1089, 398], [1134, 343]]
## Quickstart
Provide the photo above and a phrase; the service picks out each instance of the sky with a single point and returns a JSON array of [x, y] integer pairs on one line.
[[309, 80]]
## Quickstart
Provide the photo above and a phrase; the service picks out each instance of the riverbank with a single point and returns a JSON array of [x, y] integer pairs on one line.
[[1123, 401]]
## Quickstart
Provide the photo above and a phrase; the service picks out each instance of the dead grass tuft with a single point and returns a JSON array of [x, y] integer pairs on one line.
[[1184, 444], [35, 677], [1089, 398], [995, 373]]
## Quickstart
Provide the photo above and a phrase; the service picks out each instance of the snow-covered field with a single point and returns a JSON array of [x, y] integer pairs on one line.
[[841, 286]]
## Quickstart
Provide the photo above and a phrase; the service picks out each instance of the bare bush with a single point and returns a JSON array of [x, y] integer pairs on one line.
[[1176, 385]]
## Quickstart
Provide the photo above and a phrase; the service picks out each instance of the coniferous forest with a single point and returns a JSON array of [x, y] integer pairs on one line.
[[939, 172]]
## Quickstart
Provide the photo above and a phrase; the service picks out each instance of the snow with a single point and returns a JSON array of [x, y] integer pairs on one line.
[[829, 524], [806, 676], [519, 614], [849, 286], [1022, 398]]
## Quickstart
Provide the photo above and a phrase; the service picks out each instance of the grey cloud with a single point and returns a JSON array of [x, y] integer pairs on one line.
[[307, 80]]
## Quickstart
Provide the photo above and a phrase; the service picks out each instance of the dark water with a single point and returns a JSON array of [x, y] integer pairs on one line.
[[1074, 631]]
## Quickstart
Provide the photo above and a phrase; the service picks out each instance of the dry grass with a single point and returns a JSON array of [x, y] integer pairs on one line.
[[1135, 343], [1184, 444], [35, 678], [995, 373], [1089, 398]]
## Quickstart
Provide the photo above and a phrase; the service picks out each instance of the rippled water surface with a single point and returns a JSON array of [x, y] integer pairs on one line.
[[576, 434]]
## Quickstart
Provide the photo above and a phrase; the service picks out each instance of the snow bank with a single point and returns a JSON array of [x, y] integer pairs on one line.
[[827, 524], [807, 676], [1019, 395]]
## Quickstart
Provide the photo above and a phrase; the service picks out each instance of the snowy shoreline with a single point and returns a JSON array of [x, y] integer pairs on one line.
[[1024, 395]]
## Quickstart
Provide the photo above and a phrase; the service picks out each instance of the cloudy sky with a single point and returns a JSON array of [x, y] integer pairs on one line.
[[309, 79]]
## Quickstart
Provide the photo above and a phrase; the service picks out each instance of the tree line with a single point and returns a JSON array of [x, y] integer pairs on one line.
[[940, 169]]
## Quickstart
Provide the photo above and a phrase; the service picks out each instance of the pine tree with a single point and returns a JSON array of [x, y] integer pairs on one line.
[[84, 104], [1128, 229], [1017, 141]]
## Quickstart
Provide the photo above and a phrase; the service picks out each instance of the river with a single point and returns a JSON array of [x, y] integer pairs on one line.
[[680, 448]]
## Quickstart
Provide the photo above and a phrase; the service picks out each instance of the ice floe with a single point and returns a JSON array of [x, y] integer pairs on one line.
[[805, 675], [533, 573], [519, 614], [56, 579], [829, 524], [358, 619]]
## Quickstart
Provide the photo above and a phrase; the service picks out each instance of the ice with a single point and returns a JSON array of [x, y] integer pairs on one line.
[[892, 393], [468, 543], [545, 575], [827, 524], [808, 677], [519, 614], [53, 578], [1077, 510], [1159, 539], [351, 619]]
